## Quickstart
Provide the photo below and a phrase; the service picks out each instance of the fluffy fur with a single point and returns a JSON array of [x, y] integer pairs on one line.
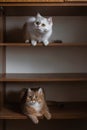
[[38, 29], [34, 104]]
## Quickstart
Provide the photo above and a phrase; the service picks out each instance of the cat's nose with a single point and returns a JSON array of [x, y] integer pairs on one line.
[[33, 101]]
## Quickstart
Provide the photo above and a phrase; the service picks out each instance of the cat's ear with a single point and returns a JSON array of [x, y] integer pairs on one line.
[[40, 91], [50, 20], [38, 15], [29, 90]]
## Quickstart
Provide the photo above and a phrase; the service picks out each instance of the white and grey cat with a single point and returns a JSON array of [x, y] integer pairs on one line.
[[38, 29]]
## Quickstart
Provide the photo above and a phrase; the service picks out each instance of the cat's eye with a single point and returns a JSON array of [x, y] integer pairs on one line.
[[30, 96], [36, 96], [37, 23], [43, 25], [27, 98]]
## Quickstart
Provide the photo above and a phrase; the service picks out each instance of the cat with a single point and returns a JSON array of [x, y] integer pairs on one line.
[[38, 29], [34, 104]]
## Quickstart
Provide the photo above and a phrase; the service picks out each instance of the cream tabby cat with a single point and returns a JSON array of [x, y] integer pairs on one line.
[[38, 29], [34, 104]]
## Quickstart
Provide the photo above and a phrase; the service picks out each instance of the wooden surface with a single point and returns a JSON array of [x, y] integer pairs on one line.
[[42, 1], [62, 4], [1, 26], [31, 0], [9, 114], [61, 77], [63, 111], [1, 96], [75, 0], [41, 45], [52, 9]]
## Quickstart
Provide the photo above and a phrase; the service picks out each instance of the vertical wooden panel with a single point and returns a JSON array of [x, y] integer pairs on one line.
[[0, 96], [1, 125], [1, 24], [2, 56], [3, 31], [3, 59]]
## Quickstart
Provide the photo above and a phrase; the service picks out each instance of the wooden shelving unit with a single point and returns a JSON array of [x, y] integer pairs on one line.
[[41, 45], [9, 114], [59, 111], [44, 3], [60, 9], [44, 77], [71, 110]]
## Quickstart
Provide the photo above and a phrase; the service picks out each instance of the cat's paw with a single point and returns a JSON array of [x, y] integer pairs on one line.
[[39, 114], [34, 119], [46, 42], [48, 115], [33, 42], [26, 41]]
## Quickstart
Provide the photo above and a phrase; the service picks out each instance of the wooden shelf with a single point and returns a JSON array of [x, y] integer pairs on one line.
[[49, 77], [59, 111], [41, 45], [70, 111], [63, 111], [56, 9], [43, 3], [23, 1], [9, 114]]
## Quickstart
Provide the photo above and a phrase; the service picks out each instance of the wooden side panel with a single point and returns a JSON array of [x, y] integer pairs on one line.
[[31, 0], [1, 125], [1, 97], [0, 28], [1, 25], [75, 0]]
